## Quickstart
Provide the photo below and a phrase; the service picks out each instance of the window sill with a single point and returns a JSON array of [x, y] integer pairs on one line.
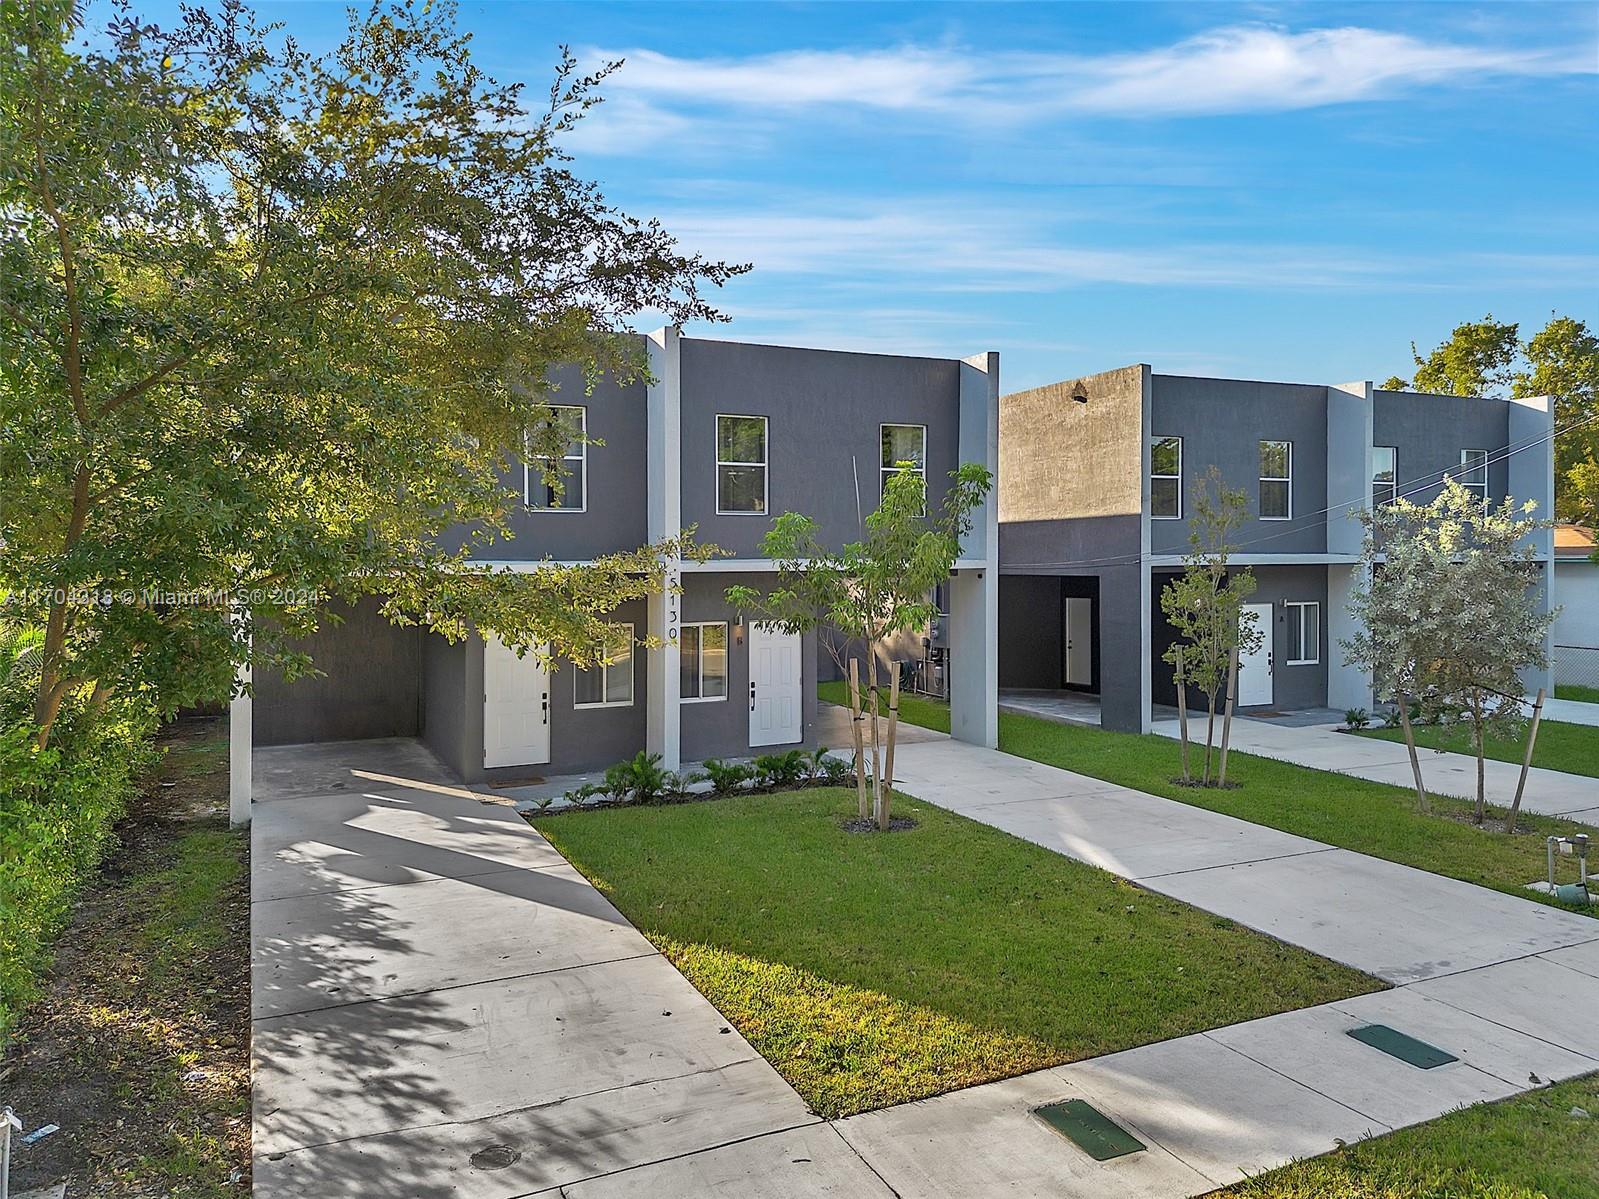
[[592, 707], [702, 699]]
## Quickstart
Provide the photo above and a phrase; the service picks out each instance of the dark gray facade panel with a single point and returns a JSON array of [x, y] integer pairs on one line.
[[1293, 687], [591, 738], [1429, 431], [1030, 629], [1222, 422], [370, 687], [721, 728], [615, 515], [822, 408], [445, 727]]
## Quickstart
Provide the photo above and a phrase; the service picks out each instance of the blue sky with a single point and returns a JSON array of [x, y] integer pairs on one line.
[[1268, 191]]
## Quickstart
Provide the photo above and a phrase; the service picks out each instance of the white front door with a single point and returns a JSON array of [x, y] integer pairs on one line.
[[777, 699], [1254, 670], [1079, 636], [516, 707]]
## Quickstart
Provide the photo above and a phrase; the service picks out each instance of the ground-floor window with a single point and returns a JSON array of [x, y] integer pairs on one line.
[[702, 650], [609, 685], [1304, 632]]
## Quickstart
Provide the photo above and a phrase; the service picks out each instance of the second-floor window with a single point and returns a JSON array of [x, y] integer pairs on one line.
[[1166, 478], [904, 447], [1276, 480], [610, 684], [1304, 632], [1384, 475], [741, 465], [571, 468], [702, 652], [1473, 472]]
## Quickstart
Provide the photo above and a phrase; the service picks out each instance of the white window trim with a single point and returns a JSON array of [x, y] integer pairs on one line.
[[894, 470], [1480, 488], [1316, 647], [582, 456], [1288, 478], [1153, 441], [766, 470], [603, 669], [727, 648], [1393, 485]]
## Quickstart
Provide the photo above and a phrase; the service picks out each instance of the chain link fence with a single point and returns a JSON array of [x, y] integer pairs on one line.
[[1576, 666]]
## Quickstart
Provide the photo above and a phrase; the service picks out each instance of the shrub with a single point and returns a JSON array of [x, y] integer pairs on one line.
[[58, 809], [580, 796], [640, 779], [726, 777], [783, 770], [1356, 718], [1390, 718]]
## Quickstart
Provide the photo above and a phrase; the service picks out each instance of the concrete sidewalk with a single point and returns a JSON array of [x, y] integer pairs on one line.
[[1506, 985], [1323, 747], [444, 1007]]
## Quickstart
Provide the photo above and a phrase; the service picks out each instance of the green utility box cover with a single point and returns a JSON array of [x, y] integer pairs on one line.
[[1407, 1049], [1095, 1133]]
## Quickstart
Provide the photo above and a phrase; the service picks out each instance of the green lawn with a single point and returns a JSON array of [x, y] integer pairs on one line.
[[873, 969], [1573, 748], [1529, 1147], [1371, 818], [1576, 691]]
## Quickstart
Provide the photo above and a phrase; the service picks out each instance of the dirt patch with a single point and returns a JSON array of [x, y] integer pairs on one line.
[[1213, 785], [1489, 824], [896, 824], [139, 1045]]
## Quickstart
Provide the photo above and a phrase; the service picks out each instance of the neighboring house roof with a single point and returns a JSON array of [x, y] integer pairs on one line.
[[1574, 541]]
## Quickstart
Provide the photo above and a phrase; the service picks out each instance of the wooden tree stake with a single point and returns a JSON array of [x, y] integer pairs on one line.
[[1526, 762], [855, 731], [893, 730]]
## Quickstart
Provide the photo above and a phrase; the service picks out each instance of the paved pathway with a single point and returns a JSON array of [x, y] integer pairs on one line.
[[444, 1007], [1549, 792], [1571, 711], [1507, 985]]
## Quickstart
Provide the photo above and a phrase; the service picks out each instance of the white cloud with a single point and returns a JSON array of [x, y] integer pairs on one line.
[[1237, 69]]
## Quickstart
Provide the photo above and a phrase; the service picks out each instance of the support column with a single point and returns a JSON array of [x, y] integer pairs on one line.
[[1348, 686], [1531, 476], [974, 590], [241, 749], [664, 474]]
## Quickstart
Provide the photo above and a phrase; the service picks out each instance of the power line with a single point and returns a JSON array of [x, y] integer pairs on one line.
[[1412, 487]]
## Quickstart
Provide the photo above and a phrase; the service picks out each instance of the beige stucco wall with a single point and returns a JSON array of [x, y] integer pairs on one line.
[[1059, 458]]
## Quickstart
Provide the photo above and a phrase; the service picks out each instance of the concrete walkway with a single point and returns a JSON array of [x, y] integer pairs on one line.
[[444, 1007], [1571, 711], [1506, 985], [1323, 747]]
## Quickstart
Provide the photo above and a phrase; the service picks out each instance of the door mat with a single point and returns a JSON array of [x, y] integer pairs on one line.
[[1095, 1133], [1406, 1048]]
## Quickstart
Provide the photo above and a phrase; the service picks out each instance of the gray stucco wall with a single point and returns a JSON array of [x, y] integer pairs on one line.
[[1222, 422], [370, 687], [1429, 431], [1030, 631], [822, 407], [1293, 687], [614, 518], [451, 727], [721, 729], [1049, 548]]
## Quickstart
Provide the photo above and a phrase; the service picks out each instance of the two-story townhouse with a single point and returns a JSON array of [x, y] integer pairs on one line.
[[1096, 479], [721, 437]]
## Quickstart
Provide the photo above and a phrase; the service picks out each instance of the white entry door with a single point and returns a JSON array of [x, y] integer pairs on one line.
[[516, 707], [1079, 636], [1254, 670], [777, 700]]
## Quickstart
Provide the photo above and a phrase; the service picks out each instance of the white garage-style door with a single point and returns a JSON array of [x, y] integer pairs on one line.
[[777, 698], [516, 707]]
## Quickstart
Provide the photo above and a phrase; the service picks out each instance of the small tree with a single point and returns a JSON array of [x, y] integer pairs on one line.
[[872, 589], [1205, 604], [1447, 617]]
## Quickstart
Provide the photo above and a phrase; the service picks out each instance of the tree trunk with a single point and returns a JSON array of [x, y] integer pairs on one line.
[[1526, 763], [888, 763], [855, 731], [1415, 761], [1227, 720], [1476, 736], [1210, 733], [877, 745], [1182, 718]]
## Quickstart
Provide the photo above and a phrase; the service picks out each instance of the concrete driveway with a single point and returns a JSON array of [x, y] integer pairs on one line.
[[444, 1007]]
